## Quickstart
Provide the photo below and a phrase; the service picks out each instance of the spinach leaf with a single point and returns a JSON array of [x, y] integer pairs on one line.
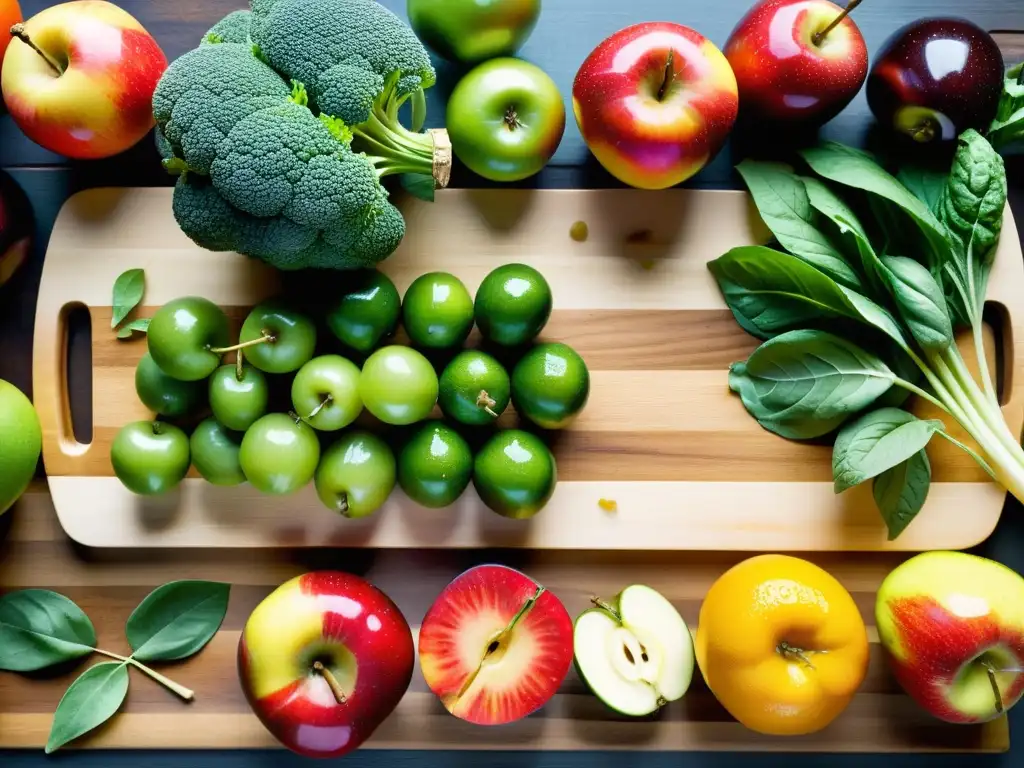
[[1008, 125], [90, 701], [878, 441], [926, 183], [901, 491], [773, 292], [177, 620], [920, 302], [128, 291], [39, 628], [812, 377], [782, 201]]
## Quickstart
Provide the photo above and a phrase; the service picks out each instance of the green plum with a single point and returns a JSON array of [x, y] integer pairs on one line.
[[435, 466], [325, 393], [437, 311], [150, 457], [505, 119], [277, 339], [550, 385], [513, 304], [187, 337], [470, 31], [367, 312], [163, 394], [279, 454], [398, 385], [356, 475], [238, 401], [474, 388], [514, 473], [215, 453]]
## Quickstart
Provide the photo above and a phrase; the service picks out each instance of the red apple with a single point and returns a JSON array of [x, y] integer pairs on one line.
[[654, 103], [953, 627], [790, 67], [15, 227], [10, 14], [323, 660], [495, 645], [79, 79]]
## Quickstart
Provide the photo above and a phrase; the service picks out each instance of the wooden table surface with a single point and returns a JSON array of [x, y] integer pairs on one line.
[[568, 30]]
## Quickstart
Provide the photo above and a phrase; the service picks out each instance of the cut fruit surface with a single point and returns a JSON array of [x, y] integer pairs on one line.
[[495, 645], [635, 653]]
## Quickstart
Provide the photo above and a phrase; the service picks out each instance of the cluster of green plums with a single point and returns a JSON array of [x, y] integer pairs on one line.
[[245, 437]]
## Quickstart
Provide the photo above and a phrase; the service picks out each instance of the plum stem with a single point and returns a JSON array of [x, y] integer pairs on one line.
[[991, 670], [666, 79], [18, 31], [819, 37], [266, 338], [332, 681], [485, 401], [604, 606], [186, 693], [328, 399]]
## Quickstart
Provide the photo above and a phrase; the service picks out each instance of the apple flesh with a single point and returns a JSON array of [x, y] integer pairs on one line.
[[495, 646], [80, 80], [654, 103], [952, 625], [324, 660], [788, 69], [15, 227], [636, 652]]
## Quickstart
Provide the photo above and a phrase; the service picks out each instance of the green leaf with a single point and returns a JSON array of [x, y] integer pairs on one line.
[[141, 324], [419, 185], [783, 203], [128, 291], [925, 183], [901, 491], [1008, 125], [878, 441], [39, 628], [809, 377], [920, 302], [177, 620], [773, 292], [90, 701]]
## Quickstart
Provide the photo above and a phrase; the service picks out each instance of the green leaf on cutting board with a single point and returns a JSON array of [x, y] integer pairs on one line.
[[90, 701], [129, 288], [876, 442], [177, 620], [39, 628], [128, 330], [901, 491]]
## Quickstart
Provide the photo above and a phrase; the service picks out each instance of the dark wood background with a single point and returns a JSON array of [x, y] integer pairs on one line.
[[567, 31]]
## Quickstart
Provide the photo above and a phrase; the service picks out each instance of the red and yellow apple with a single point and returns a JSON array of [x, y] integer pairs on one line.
[[10, 14], [789, 69], [654, 103], [323, 660], [952, 625], [495, 645], [79, 77]]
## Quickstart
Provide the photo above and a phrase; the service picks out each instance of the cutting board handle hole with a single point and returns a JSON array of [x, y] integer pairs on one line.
[[76, 378], [996, 317]]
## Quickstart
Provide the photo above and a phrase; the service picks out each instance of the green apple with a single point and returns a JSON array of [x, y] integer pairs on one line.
[[470, 31], [21, 441], [325, 393], [150, 457], [356, 475], [505, 119], [636, 652]]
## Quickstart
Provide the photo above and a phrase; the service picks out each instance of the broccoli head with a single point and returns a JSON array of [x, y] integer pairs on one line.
[[233, 28]]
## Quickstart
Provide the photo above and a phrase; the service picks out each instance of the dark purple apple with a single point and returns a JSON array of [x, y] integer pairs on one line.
[[935, 78], [15, 227]]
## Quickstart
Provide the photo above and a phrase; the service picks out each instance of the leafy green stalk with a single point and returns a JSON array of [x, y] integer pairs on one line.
[[393, 148]]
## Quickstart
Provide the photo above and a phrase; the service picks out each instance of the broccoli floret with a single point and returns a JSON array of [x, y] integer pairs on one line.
[[233, 28], [206, 92], [347, 91]]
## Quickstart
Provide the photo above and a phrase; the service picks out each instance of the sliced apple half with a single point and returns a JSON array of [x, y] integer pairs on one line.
[[636, 652]]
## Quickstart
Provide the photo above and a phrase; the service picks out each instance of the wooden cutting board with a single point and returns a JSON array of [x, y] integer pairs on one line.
[[108, 584], [662, 436]]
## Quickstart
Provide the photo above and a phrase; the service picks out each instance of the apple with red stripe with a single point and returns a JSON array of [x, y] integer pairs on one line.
[[324, 660], [655, 102], [495, 645], [79, 77], [952, 625]]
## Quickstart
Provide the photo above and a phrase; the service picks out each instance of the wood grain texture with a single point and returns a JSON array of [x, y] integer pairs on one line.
[[662, 435], [108, 584]]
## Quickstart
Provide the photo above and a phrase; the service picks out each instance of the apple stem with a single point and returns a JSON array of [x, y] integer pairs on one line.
[[343, 503], [604, 606], [512, 119], [485, 401], [266, 338], [819, 37], [788, 650], [186, 693], [239, 363], [328, 399], [18, 31], [332, 681], [666, 79], [995, 687], [158, 428]]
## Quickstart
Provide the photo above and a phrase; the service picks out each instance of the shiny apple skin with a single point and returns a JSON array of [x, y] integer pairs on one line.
[[782, 75], [942, 75], [102, 104], [349, 625], [639, 140]]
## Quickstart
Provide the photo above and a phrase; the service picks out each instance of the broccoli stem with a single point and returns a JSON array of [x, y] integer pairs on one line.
[[393, 148]]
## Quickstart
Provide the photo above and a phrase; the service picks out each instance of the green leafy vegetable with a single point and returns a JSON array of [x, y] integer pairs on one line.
[[39, 628], [126, 331], [924, 182], [90, 701], [1008, 125], [177, 620], [877, 441], [901, 491], [919, 301], [129, 288]]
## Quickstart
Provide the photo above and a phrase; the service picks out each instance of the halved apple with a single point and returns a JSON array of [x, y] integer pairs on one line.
[[636, 652]]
